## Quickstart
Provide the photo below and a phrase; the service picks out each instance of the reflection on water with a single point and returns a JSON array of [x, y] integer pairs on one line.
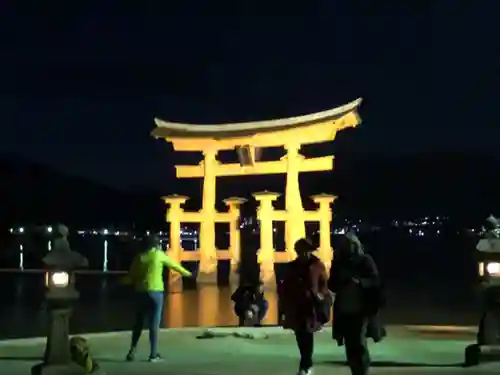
[[207, 307], [36, 253], [105, 305], [429, 282]]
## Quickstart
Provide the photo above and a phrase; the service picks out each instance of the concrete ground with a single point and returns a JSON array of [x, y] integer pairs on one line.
[[404, 350]]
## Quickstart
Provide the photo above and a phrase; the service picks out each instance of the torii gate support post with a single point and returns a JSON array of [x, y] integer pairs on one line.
[[208, 251], [175, 214], [325, 251], [294, 225], [265, 253], [234, 204]]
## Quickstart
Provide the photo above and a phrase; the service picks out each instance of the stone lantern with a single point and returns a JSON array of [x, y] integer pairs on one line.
[[487, 347], [60, 294]]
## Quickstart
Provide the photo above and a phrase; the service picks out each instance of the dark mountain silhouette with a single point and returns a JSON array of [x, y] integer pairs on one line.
[[34, 194], [368, 185], [459, 185], [454, 184]]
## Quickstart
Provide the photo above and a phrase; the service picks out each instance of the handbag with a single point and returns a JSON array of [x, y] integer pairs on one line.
[[322, 307]]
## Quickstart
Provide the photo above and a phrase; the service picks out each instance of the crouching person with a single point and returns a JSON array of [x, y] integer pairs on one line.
[[80, 354], [250, 305]]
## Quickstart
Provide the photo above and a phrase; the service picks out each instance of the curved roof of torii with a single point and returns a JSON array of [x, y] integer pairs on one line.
[[167, 129]]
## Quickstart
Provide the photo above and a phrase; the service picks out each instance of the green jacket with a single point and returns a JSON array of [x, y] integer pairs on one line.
[[146, 271]]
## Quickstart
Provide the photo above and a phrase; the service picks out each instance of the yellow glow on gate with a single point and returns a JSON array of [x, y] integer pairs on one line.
[[291, 134]]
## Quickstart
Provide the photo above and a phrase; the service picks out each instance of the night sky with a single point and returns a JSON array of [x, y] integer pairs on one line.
[[82, 83]]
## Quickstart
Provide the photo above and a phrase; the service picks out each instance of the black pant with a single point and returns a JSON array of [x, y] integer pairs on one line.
[[356, 349], [305, 342]]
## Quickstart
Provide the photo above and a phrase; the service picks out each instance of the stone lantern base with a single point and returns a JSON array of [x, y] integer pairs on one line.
[[476, 354]]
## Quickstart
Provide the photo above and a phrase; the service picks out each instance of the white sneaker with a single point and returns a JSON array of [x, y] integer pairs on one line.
[[305, 372]]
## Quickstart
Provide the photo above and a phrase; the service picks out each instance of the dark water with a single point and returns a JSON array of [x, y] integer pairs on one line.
[[428, 281]]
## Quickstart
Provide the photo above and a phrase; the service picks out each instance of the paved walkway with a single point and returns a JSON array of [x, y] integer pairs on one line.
[[402, 352]]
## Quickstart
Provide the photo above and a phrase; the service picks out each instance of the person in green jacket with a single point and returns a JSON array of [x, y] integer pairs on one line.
[[146, 276]]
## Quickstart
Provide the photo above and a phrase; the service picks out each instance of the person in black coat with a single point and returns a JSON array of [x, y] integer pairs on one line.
[[355, 281]]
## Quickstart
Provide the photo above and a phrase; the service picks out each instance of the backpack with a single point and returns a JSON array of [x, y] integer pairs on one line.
[[80, 354]]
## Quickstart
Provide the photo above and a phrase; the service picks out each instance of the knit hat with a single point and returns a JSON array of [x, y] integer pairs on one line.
[[304, 246]]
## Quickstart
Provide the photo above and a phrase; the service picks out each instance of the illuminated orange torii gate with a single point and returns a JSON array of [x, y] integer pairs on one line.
[[248, 139]]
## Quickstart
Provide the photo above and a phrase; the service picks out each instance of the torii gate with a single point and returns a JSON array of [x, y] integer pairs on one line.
[[247, 139]]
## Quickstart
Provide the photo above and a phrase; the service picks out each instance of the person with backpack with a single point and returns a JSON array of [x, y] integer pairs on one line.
[[306, 300], [146, 276], [355, 281]]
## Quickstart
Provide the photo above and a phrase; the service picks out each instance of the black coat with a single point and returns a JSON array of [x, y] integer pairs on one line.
[[363, 268]]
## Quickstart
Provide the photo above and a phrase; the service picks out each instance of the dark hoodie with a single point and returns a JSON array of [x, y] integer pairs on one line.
[[353, 275], [364, 297]]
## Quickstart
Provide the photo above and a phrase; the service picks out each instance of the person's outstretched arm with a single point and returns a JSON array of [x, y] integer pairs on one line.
[[173, 265]]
